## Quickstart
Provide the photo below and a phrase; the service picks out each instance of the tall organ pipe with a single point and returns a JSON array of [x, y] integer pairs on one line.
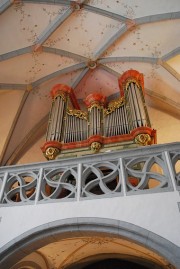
[[95, 103], [138, 115], [56, 124]]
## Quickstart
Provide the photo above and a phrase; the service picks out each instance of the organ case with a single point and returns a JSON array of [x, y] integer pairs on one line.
[[104, 124]]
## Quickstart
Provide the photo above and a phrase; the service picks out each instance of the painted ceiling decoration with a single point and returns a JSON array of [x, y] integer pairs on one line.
[[86, 45]]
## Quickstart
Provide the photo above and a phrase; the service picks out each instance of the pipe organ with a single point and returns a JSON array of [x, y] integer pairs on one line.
[[137, 113], [120, 122], [115, 119], [95, 103], [75, 127]]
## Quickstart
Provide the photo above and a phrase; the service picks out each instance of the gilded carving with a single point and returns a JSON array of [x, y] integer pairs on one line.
[[94, 104], [62, 95], [77, 113], [113, 105], [51, 153], [95, 146], [143, 139], [131, 80]]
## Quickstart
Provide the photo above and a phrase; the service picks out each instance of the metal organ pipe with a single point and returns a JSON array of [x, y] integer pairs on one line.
[[76, 125], [60, 119], [134, 88], [144, 114], [132, 111], [95, 103], [48, 136], [137, 115], [119, 117], [56, 119]]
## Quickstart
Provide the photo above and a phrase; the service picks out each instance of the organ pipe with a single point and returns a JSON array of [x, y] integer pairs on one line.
[[68, 124], [95, 104]]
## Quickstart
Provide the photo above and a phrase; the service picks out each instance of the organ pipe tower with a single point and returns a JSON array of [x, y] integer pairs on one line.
[[118, 124]]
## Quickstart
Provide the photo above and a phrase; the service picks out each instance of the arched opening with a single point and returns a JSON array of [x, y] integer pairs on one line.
[[115, 264], [79, 243]]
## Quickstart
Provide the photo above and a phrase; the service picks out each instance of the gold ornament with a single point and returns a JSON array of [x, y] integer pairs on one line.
[[62, 95], [143, 139], [94, 104], [77, 113], [51, 153], [95, 146], [113, 105], [131, 80]]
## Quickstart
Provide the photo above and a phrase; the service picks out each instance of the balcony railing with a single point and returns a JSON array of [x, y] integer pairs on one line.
[[150, 169]]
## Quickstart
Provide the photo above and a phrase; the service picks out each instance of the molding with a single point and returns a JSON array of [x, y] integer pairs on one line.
[[58, 73], [64, 53], [13, 86], [171, 70], [133, 152], [78, 227], [110, 70], [34, 134], [15, 53], [128, 59], [78, 79], [106, 13], [51, 28], [106, 45], [171, 54], [157, 18], [13, 126], [5, 5]]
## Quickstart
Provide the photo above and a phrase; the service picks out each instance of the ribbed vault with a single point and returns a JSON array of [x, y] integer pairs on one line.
[[49, 42]]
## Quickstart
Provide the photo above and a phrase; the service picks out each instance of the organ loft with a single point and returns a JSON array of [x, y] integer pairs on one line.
[[102, 126]]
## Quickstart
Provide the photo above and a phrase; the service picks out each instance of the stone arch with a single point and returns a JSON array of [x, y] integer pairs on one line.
[[77, 227]]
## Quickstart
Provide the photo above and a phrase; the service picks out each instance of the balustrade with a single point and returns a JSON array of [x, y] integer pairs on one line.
[[140, 171]]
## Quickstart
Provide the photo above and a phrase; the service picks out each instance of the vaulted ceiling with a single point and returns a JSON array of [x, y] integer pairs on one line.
[[86, 45]]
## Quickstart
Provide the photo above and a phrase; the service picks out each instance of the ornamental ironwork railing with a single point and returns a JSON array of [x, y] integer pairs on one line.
[[151, 169]]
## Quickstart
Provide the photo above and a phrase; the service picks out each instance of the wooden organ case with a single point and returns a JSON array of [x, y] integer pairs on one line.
[[121, 123]]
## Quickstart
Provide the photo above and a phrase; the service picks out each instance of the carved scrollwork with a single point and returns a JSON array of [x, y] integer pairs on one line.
[[100, 179], [95, 147], [113, 105], [143, 139], [94, 104], [51, 153], [62, 95], [129, 81], [77, 113], [175, 158], [59, 183], [20, 187], [148, 172]]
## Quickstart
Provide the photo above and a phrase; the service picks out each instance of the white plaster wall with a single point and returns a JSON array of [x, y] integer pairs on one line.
[[167, 126], [157, 213], [9, 100]]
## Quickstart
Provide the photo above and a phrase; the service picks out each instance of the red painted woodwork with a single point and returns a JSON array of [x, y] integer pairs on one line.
[[130, 75]]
